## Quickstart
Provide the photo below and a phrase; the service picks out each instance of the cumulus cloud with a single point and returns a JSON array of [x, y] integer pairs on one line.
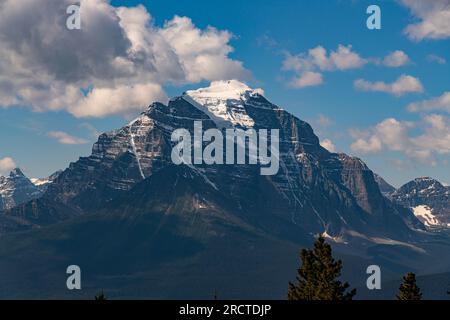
[[394, 135], [433, 16], [65, 138], [395, 59], [119, 100], [307, 79], [328, 144], [119, 53], [436, 58], [341, 59], [308, 67], [6, 165], [441, 103], [404, 84]]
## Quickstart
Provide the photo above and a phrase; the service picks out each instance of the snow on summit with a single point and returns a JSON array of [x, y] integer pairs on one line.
[[224, 102], [224, 90]]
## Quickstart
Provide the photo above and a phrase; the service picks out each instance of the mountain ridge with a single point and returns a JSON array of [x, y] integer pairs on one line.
[[310, 177]]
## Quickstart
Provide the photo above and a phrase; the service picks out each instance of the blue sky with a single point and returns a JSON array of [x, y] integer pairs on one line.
[[393, 141]]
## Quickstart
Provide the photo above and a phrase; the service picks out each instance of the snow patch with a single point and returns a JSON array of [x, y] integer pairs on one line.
[[224, 90], [425, 214], [40, 182], [224, 102], [385, 241], [334, 239]]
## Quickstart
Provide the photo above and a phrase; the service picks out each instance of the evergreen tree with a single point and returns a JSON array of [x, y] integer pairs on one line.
[[318, 276], [409, 289], [100, 296]]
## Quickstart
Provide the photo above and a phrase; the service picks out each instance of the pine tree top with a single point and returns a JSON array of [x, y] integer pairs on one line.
[[408, 289], [318, 276]]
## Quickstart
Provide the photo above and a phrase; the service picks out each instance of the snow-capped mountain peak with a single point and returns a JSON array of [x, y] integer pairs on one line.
[[16, 189], [224, 90], [223, 102], [428, 198]]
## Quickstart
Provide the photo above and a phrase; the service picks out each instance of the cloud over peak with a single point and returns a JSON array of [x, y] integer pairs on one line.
[[119, 52], [6, 165]]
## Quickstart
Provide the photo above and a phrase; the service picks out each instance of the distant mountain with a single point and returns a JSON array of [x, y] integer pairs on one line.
[[16, 189], [429, 199], [140, 226], [385, 188]]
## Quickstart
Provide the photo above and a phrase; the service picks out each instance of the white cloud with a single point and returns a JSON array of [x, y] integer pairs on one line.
[[441, 103], [328, 144], [404, 84], [306, 66], [6, 165], [371, 145], [307, 79], [397, 58], [344, 58], [309, 66], [65, 138], [323, 121], [434, 19], [432, 140], [119, 51], [202, 53], [318, 58], [119, 100], [436, 58]]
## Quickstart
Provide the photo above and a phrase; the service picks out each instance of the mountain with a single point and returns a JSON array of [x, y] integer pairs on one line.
[[43, 183], [429, 199], [16, 189], [314, 191], [385, 188], [141, 226]]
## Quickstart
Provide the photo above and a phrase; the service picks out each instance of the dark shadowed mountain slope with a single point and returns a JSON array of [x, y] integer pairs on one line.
[[173, 236]]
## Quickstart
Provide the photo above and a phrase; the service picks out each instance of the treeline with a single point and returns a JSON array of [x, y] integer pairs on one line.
[[319, 274], [318, 278]]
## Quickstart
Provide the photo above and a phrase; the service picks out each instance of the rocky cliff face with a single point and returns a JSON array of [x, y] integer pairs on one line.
[[385, 188], [16, 189], [314, 191]]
